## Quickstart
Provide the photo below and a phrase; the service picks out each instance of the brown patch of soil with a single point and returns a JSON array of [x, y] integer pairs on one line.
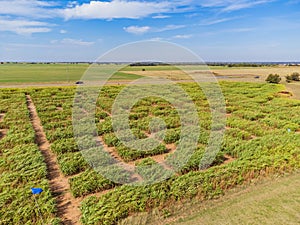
[[60, 108], [67, 205], [3, 133], [284, 94], [170, 74], [161, 158], [129, 165], [111, 150], [1, 116], [97, 195], [253, 137], [228, 159]]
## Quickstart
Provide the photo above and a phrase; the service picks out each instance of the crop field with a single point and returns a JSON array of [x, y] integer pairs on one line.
[[22, 166], [273, 200], [37, 138], [240, 74], [68, 73], [49, 73]]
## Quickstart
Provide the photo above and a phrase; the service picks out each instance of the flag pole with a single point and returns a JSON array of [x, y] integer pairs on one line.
[[39, 210]]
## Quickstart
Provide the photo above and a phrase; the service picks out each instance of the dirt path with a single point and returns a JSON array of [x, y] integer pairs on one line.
[[67, 205], [294, 89]]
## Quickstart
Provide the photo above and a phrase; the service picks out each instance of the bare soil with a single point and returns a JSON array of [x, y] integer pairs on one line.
[[3, 133], [228, 159], [129, 165], [1, 116], [67, 205]]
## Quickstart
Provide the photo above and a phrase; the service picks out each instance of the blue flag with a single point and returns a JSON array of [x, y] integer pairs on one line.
[[36, 191]]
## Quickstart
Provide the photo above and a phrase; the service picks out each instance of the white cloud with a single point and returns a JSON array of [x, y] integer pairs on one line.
[[217, 21], [160, 17], [240, 30], [116, 9], [232, 5], [182, 36], [72, 4], [226, 31], [243, 5], [137, 30], [70, 41], [29, 8], [146, 29], [157, 39], [169, 27], [63, 31], [112, 9], [24, 27]]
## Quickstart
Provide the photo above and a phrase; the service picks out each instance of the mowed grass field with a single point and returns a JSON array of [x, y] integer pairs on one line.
[[49, 73], [271, 201], [32, 73]]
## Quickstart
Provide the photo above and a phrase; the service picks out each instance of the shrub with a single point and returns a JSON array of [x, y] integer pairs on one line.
[[288, 79], [273, 78], [293, 77]]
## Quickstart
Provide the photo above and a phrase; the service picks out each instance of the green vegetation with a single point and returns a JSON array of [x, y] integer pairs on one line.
[[69, 73], [274, 200], [293, 77], [51, 73], [260, 143], [273, 78], [22, 166], [20, 73]]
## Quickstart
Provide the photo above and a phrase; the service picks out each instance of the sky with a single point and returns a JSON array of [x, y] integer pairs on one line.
[[216, 30]]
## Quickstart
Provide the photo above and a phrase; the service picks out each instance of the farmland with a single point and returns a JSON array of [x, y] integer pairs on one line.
[[67, 74], [49, 73], [274, 200], [257, 145]]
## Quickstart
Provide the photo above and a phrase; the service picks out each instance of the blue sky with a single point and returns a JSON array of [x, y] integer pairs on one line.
[[217, 30]]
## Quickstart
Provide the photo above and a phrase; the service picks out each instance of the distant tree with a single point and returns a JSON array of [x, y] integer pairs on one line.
[[273, 78]]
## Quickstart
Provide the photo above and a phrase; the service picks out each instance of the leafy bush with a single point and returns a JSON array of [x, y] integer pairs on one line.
[[273, 78], [293, 77]]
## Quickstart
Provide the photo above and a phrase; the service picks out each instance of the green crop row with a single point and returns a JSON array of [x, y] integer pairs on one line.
[[260, 145], [22, 167], [261, 134]]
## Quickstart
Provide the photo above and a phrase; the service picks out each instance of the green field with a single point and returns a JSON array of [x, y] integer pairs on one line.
[[257, 142], [22, 73], [49, 73], [274, 200]]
